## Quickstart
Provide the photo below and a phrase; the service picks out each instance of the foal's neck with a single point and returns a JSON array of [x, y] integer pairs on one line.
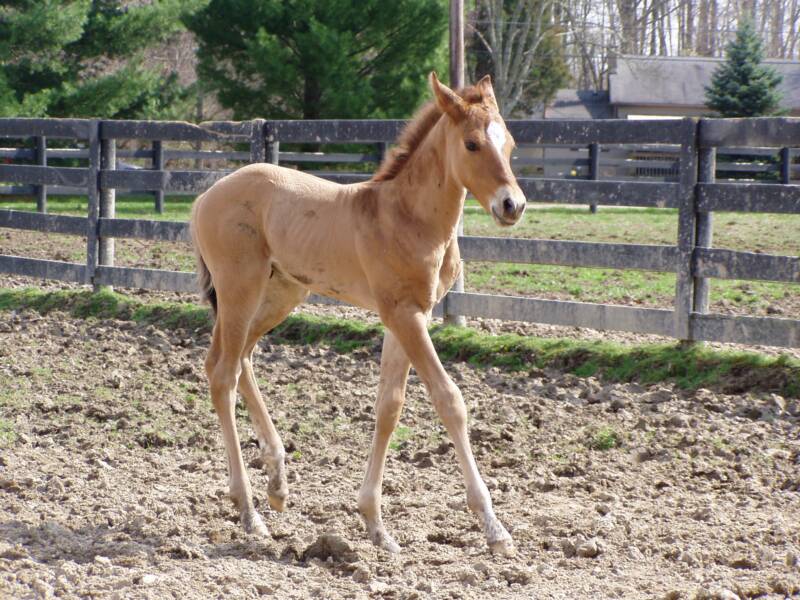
[[426, 188]]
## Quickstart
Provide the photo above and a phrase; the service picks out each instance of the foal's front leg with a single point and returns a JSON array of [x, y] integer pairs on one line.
[[410, 326], [391, 395]]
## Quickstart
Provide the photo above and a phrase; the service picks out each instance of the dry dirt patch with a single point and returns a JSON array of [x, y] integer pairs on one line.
[[113, 484]]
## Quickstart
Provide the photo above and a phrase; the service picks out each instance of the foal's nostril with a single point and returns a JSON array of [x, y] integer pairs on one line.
[[508, 206]]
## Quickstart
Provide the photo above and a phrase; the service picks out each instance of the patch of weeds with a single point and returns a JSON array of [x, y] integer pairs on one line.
[[558, 457], [720, 443], [10, 392], [605, 438], [7, 434], [42, 373], [69, 401], [297, 455], [104, 393], [401, 434]]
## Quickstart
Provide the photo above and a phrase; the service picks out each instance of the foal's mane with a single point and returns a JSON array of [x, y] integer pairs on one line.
[[414, 133]]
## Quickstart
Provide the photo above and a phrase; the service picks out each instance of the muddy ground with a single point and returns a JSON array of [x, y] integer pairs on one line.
[[113, 479]]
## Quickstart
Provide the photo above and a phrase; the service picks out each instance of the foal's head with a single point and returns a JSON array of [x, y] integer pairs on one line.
[[479, 148]]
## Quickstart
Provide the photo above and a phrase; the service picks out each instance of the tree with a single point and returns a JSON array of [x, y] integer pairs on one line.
[[83, 58], [742, 86], [519, 47], [319, 59]]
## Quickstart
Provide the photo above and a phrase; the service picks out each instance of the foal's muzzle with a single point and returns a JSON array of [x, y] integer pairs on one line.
[[507, 206]]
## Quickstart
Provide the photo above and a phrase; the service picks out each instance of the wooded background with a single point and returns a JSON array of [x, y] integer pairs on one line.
[[170, 59]]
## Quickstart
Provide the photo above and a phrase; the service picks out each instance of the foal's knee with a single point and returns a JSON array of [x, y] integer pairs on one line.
[[388, 409], [449, 403], [222, 377]]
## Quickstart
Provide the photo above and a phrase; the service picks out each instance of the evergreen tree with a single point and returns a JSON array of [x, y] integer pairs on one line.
[[83, 58], [742, 86], [314, 59]]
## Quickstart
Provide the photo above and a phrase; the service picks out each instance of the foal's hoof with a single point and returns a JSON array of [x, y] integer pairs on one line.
[[277, 490], [498, 539], [277, 503], [385, 541], [253, 523], [504, 547]]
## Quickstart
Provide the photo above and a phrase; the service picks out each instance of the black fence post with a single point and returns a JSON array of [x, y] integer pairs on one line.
[[258, 148], [108, 200], [41, 160], [93, 195], [687, 230], [158, 165], [707, 167], [594, 168], [786, 165]]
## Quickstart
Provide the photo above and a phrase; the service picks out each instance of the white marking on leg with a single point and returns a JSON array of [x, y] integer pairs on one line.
[[497, 135]]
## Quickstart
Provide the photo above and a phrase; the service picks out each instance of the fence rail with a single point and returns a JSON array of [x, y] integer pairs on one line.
[[691, 187]]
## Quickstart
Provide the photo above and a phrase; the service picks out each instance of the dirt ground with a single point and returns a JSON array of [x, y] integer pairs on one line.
[[113, 480]]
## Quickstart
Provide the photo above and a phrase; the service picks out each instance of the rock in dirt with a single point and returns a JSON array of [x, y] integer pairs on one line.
[[517, 575], [792, 559], [742, 562], [361, 574], [331, 545], [589, 549], [635, 554]]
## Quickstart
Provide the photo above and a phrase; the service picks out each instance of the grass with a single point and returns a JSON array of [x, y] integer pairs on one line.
[[7, 434], [689, 366], [605, 438], [176, 208], [401, 434]]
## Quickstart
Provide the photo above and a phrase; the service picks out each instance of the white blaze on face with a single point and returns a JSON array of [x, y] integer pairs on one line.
[[497, 135]]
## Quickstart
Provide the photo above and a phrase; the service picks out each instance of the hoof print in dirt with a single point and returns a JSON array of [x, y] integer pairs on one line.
[[331, 545]]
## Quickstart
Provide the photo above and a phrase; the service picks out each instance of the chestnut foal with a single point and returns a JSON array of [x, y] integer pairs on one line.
[[266, 236]]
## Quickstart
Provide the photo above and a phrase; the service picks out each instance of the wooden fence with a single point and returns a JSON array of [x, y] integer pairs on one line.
[[694, 193]]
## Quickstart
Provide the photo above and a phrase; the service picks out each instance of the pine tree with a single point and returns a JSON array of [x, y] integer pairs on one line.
[[319, 59], [83, 58], [742, 86]]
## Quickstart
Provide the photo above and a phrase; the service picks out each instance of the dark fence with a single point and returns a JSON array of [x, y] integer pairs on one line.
[[691, 187]]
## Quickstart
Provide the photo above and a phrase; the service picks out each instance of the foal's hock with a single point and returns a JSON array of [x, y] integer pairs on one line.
[[266, 237]]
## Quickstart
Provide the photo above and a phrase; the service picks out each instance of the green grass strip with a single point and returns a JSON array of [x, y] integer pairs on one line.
[[689, 366]]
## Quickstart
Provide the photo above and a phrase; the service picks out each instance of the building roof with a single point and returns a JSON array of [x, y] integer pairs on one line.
[[681, 81], [579, 104]]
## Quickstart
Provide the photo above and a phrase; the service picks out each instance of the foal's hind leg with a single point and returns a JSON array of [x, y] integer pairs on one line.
[[391, 395], [223, 367], [282, 298]]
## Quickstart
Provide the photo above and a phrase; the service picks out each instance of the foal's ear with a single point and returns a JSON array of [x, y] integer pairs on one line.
[[447, 100], [484, 86]]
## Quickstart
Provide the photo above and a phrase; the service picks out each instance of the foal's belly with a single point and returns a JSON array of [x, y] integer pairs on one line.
[[327, 274]]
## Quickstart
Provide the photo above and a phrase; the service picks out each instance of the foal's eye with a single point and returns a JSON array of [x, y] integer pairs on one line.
[[471, 146]]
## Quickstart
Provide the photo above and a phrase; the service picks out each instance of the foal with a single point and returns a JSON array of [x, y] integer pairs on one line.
[[266, 236]]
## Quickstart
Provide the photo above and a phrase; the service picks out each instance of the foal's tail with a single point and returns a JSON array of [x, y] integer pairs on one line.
[[207, 290], [204, 281]]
